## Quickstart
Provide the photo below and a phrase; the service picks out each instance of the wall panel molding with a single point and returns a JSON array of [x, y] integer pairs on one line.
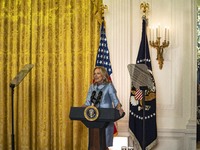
[[118, 20], [176, 82]]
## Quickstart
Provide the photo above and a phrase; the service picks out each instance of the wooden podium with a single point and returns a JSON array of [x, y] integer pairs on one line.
[[97, 138]]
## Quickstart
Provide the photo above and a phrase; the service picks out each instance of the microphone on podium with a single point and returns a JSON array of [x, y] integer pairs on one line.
[[92, 98], [98, 97]]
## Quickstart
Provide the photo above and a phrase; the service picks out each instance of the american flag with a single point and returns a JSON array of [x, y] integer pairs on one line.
[[136, 115], [103, 57], [138, 94]]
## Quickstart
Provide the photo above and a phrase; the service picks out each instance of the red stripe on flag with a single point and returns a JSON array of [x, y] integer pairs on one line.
[[138, 94], [115, 130]]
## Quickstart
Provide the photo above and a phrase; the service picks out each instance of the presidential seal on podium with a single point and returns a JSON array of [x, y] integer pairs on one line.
[[91, 113]]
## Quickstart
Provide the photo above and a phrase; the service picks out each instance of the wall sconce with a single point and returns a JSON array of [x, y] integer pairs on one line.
[[157, 44]]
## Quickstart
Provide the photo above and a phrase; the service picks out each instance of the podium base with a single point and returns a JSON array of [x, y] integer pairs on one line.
[[97, 139]]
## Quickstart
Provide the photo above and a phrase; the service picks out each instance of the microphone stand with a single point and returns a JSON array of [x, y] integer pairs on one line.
[[143, 88], [12, 102], [14, 83]]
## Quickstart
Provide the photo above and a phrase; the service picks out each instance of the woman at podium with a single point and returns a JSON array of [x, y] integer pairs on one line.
[[102, 94]]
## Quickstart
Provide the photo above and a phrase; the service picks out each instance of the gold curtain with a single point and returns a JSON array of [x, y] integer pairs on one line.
[[60, 37]]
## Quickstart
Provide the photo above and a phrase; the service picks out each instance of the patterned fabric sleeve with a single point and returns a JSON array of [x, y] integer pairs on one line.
[[113, 94]]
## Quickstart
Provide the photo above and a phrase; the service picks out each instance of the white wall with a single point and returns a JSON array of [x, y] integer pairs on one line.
[[176, 82]]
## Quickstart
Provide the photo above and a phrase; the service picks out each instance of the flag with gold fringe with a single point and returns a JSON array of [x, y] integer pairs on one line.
[[136, 108]]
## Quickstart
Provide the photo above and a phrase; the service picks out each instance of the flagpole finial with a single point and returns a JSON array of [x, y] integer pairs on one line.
[[144, 7], [103, 8], [99, 14]]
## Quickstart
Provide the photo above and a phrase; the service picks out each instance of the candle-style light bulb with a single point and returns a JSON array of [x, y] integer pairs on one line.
[[168, 34], [156, 32], [153, 34]]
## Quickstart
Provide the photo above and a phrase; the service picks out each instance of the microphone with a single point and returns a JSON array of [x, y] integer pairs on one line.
[[99, 97], [92, 98]]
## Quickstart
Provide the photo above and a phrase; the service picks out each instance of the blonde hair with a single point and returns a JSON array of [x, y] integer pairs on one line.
[[104, 73]]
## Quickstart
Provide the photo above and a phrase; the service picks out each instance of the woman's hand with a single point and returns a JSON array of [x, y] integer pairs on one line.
[[121, 111], [119, 107]]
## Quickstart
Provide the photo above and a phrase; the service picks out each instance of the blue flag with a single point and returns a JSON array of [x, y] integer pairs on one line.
[[136, 108]]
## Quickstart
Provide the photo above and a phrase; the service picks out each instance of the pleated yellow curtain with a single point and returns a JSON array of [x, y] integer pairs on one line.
[[60, 38]]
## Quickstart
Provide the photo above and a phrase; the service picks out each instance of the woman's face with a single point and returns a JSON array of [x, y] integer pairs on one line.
[[98, 77]]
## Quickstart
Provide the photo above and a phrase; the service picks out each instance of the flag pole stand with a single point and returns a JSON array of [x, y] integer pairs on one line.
[[143, 89]]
